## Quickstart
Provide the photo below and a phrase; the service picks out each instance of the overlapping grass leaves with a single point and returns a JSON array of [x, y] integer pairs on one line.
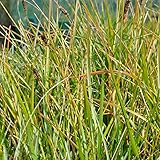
[[91, 95]]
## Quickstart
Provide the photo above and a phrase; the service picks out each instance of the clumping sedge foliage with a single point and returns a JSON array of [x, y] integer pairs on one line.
[[92, 92]]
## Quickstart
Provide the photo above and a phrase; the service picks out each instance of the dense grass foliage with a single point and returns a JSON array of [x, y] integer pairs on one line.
[[92, 92]]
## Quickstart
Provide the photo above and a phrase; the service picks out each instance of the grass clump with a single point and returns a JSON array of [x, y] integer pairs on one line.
[[89, 93]]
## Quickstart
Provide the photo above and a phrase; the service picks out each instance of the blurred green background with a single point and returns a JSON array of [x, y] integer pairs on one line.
[[18, 12]]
